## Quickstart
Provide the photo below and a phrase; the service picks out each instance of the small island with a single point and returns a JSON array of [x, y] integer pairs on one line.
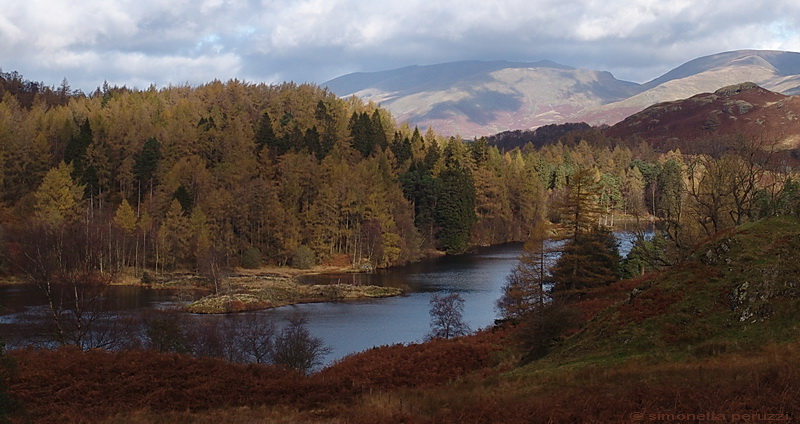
[[271, 290]]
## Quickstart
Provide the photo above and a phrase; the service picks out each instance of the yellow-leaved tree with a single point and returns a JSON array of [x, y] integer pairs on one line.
[[59, 199]]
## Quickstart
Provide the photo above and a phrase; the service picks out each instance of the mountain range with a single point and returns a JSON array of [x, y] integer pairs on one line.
[[476, 98]]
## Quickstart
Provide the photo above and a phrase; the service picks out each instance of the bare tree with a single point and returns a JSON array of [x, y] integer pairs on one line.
[[295, 348], [447, 317], [68, 265], [255, 337]]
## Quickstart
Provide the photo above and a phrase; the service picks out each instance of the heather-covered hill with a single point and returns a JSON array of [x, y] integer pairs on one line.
[[743, 109]]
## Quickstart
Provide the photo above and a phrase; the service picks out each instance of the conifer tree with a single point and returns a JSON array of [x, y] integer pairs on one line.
[[588, 261], [527, 286], [59, 197], [455, 209], [125, 217], [590, 257]]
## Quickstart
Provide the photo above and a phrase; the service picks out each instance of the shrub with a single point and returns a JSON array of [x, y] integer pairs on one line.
[[541, 329], [7, 404], [251, 258], [295, 348], [303, 258]]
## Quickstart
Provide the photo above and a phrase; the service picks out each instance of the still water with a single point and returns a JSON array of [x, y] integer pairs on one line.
[[347, 327]]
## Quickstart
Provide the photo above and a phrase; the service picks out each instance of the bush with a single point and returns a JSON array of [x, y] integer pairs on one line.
[[7, 404], [251, 258], [295, 348], [303, 258], [539, 330]]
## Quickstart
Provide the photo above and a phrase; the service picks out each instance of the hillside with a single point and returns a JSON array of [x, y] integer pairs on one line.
[[715, 335], [743, 109], [483, 98], [735, 293]]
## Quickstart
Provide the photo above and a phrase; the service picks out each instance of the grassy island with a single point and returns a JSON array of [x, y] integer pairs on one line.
[[266, 290]]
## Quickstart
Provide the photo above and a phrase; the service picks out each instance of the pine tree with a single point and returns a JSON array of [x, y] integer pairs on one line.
[[146, 163], [455, 209], [265, 136]]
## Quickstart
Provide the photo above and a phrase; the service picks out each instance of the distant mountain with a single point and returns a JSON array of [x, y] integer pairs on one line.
[[774, 70], [742, 109], [484, 98]]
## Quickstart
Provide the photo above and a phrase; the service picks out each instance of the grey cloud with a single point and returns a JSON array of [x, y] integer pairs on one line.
[[138, 42]]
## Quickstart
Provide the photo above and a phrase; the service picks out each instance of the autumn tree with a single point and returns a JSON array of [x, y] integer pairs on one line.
[[59, 199], [68, 265], [125, 220], [174, 236]]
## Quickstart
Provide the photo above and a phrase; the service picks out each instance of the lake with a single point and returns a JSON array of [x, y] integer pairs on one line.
[[347, 327]]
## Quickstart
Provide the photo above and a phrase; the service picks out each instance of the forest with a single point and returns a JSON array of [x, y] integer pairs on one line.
[[239, 174]]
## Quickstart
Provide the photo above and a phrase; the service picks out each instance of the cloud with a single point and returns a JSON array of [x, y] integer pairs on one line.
[[139, 42]]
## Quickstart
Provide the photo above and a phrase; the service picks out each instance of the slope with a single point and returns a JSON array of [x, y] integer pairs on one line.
[[737, 292], [773, 70], [714, 339], [743, 109]]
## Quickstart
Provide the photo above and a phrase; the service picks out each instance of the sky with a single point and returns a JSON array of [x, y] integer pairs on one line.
[[139, 43]]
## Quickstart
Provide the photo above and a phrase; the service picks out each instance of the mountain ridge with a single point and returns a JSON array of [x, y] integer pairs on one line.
[[476, 98]]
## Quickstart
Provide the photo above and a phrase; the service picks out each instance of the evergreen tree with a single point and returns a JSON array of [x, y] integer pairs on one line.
[[455, 209], [265, 136], [670, 189], [590, 260], [146, 163], [363, 133], [377, 133], [75, 151], [422, 189], [401, 147]]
